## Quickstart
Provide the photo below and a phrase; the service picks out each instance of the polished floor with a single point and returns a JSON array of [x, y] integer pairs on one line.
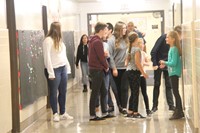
[[78, 107]]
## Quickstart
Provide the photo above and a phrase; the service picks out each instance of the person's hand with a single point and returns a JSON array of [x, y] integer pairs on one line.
[[106, 53], [162, 62], [107, 70], [115, 72], [145, 75], [155, 67], [162, 66]]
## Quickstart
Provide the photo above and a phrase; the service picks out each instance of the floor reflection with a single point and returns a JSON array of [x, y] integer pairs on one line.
[[78, 106]]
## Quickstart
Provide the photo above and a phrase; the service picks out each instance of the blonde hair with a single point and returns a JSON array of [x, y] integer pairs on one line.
[[55, 34], [174, 34], [118, 34]]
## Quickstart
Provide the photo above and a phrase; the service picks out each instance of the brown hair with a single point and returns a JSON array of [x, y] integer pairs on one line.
[[132, 36], [174, 34], [118, 34], [55, 34], [178, 29], [100, 26]]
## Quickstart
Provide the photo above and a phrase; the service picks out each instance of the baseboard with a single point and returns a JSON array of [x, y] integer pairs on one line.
[[26, 123]]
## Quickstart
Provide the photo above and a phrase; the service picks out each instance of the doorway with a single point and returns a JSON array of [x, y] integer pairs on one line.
[[149, 22]]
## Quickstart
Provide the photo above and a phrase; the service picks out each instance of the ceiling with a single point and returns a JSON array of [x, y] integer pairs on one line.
[[85, 1]]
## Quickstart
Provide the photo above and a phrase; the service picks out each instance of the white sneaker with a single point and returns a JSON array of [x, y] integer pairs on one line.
[[66, 116], [56, 117]]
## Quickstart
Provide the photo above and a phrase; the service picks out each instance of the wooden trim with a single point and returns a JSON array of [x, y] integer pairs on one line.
[[11, 24]]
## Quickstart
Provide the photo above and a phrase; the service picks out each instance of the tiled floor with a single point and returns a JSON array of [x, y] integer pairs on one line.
[[78, 105]]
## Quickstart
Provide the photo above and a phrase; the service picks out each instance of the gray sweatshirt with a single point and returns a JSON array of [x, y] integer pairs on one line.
[[117, 55]]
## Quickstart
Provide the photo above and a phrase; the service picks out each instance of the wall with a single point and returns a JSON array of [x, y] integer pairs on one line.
[[98, 7], [5, 79], [191, 60], [32, 20]]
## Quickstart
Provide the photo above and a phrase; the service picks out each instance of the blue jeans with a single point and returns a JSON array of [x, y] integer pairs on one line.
[[58, 85], [85, 72]]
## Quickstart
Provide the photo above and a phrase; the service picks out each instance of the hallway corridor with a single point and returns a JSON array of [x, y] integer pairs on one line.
[[78, 107]]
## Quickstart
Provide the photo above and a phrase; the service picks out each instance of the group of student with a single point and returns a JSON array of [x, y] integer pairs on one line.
[[114, 58]]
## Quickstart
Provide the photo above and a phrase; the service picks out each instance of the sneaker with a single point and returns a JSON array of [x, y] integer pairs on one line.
[[148, 113], [85, 88], [56, 117], [66, 116], [138, 115], [96, 118], [154, 109], [123, 111], [177, 115], [108, 116]]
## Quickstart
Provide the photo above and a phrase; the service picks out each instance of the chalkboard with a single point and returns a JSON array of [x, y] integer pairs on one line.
[[32, 82]]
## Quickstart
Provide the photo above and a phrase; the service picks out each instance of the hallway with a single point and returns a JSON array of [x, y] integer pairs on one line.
[[78, 107]]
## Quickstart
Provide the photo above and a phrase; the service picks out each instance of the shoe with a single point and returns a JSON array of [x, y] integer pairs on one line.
[[66, 116], [154, 109], [108, 116], [123, 111], [172, 108], [177, 115], [138, 115], [56, 117], [85, 88], [96, 118], [148, 113], [130, 115]]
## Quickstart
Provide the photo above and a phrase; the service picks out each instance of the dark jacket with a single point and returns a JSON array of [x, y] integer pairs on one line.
[[82, 53], [96, 56], [160, 50]]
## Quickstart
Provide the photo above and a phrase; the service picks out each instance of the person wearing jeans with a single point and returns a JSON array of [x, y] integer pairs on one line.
[[56, 68], [82, 55]]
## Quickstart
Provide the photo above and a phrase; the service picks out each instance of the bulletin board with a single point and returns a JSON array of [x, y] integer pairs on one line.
[[68, 39], [32, 82]]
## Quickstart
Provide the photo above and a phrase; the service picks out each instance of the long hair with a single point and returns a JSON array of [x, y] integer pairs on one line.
[[118, 33], [174, 34], [132, 36], [55, 34], [81, 40]]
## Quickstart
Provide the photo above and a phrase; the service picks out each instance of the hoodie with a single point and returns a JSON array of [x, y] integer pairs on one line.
[[159, 51], [96, 56]]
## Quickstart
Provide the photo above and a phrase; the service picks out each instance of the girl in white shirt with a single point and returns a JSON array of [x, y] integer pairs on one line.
[[56, 69]]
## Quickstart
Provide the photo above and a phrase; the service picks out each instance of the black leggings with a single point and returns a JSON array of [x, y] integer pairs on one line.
[[175, 87], [143, 85]]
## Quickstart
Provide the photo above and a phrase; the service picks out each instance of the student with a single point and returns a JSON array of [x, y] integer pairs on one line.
[[143, 83], [56, 69], [132, 28], [118, 44], [82, 55], [174, 69], [98, 66], [134, 70]]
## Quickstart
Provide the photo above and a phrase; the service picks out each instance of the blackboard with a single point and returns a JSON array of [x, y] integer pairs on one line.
[[32, 82]]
